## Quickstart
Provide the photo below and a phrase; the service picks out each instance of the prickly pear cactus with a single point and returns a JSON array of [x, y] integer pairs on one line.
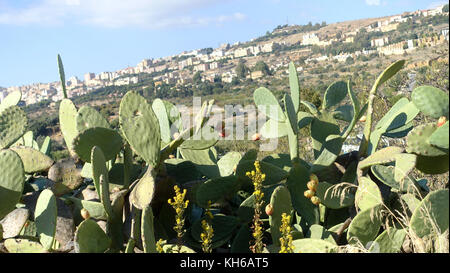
[[12, 180]]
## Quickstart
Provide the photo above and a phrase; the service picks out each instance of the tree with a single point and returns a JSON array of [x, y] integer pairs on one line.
[[197, 78], [241, 70], [445, 8], [263, 67]]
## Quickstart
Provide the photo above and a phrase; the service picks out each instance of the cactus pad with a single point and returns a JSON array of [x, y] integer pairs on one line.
[[432, 214], [12, 125], [281, 203], [88, 117], [107, 139], [68, 122], [140, 127], [45, 218], [91, 238], [431, 101], [12, 180], [268, 104], [365, 226], [417, 141], [33, 160]]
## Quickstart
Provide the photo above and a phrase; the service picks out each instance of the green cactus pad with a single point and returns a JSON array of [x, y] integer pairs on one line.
[[404, 164], [62, 76], [68, 122], [432, 214], [335, 196], [13, 122], [142, 194], [294, 86], [204, 139], [46, 146], [388, 73], [98, 164], [88, 117], [440, 137], [182, 170], [228, 163], [365, 226], [107, 139], [33, 160], [91, 238], [389, 241], [296, 183], [23, 246], [28, 139], [383, 156], [368, 194], [12, 99], [148, 231], [95, 209], [334, 94], [241, 243], [344, 113], [386, 174], [273, 173], [311, 108], [319, 232], [12, 181], [309, 245], [431, 101], [400, 132], [205, 161], [268, 104], [281, 203], [45, 218], [331, 149], [291, 113], [320, 130], [140, 127], [433, 164], [223, 226], [159, 108], [274, 129], [216, 189], [417, 143]]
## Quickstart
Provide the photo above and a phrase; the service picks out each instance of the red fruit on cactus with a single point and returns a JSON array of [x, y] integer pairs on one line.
[[442, 120], [256, 137], [269, 209]]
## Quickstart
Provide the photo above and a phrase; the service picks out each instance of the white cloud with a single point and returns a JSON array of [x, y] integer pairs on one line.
[[117, 13], [373, 2]]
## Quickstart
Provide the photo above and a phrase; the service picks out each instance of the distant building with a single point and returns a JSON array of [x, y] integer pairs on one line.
[[310, 39], [379, 42], [241, 52], [256, 75], [89, 77]]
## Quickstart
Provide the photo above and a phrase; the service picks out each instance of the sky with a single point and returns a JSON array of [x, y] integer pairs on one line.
[[108, 35]]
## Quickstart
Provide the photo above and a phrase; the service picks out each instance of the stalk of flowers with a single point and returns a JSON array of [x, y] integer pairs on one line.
[[179, 206], [257, 178], [159, 246], [208, 232], [286, 237]]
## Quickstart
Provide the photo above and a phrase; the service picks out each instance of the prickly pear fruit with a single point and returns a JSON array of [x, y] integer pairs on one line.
[[312, 185], [442, 120], [309, 194], [256, 137], [315, 200], [269, 209], [85, 213]]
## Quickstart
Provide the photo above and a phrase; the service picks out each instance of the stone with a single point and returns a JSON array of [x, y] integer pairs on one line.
[[66, 176], [13, 222]]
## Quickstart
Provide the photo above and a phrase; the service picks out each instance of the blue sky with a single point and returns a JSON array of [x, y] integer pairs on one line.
[[107, 35]]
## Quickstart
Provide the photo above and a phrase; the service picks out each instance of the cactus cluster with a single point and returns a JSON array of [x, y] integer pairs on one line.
[[134, 171]]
